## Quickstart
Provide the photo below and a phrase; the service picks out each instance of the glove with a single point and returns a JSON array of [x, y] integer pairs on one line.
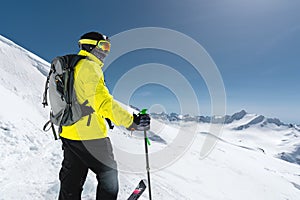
[[141, 122]]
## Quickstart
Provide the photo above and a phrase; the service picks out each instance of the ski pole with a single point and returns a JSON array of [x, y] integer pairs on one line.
[[147, 142], [147, 163]]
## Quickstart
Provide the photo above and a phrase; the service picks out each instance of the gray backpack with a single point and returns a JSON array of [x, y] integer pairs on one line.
[[65, 109]]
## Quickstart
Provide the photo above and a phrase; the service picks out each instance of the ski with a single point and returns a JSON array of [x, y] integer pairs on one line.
[[138, 191]]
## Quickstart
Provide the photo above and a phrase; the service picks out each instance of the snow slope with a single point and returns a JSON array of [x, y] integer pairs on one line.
[[254, 131], [30, 158]]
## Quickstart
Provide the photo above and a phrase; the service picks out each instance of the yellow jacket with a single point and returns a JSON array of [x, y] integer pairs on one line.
[[89, 85]]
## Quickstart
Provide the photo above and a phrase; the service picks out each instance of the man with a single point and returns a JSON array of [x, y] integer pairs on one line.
[[85, 143]]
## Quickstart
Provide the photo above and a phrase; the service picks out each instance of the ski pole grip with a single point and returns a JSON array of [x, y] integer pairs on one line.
[[148, 141], [143, 111]]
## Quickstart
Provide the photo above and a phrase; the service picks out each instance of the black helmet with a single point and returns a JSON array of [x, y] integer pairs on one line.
[[87, 45]]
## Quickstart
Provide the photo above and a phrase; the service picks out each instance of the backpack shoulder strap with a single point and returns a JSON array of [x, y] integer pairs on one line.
[[68, 63], [71, 60]]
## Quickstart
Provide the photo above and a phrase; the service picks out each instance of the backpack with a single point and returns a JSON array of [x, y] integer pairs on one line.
[[65, 108]]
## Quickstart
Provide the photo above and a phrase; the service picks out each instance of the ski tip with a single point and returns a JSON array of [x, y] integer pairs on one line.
[[145, 182], [138, 191]]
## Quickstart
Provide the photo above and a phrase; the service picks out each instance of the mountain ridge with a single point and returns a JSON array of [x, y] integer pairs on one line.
[[227, 119]]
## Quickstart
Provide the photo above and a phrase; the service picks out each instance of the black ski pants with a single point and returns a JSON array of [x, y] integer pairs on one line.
[[79, 157]]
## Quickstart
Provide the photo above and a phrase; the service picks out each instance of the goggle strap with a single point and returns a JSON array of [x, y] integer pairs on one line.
[[88, 41]]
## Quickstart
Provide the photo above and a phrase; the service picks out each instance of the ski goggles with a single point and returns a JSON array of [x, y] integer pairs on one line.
[[101, 44]]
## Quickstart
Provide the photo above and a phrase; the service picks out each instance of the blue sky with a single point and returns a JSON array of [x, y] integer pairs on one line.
[[255, 44]]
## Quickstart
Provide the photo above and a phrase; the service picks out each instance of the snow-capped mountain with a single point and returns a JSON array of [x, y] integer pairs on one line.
[[227, 119], [244, 164]]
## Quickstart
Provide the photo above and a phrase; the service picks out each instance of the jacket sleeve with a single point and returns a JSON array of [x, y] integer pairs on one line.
[[102, 101]]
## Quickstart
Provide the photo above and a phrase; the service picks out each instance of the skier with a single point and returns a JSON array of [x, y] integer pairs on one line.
[[85, 143]]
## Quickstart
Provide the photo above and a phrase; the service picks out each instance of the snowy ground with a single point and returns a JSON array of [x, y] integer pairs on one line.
[[243, 164]]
